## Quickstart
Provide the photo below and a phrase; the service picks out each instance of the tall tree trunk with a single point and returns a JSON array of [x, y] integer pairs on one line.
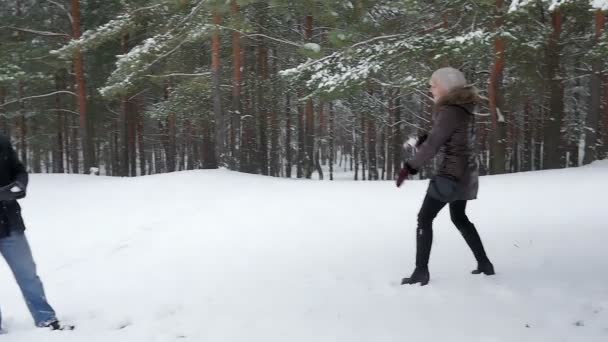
[[124, 134], [498, 153], [310, 119], [321, 134], [331, 140], [132, 125], [171, 151], [262, 105], [390, 137], [363, 150], [140, 141], [22, 126], [58, 159], [275, 130], [87, 148], [355, 154], [604, 152], [4, 127], [397, 136], [301, 143], [34, 146], [371, 149], [553, 137], [188, 133], [288, 129], [528, 136], [592, 136], [382, 157], [237, 81], [318, 149], [74, 152], [220, 141], [168, 134], [248, 140], [115, 136]]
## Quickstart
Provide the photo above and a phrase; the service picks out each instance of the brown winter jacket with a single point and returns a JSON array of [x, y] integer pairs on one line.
[[452, 140]]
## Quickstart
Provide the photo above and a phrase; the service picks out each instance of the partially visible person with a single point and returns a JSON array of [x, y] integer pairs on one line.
[[14, 246]]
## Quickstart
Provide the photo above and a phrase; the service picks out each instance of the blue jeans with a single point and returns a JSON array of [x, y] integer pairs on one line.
[[16, 251]]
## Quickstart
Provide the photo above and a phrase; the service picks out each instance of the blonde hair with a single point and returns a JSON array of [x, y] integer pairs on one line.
[[449, 78]]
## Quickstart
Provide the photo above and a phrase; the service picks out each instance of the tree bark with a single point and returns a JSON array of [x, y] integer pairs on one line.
[[237, 81], [397, 136], [592, 136], [74, 153], [553, 137], [220, 142], [58, 159], [34, 147], [301, 144], [132, 138], [275, 130], [4, 127], [23, 146], [140, 142], [331, 140], [391, 129], [288, 129], [310, 119], [499, 124], [262, 105], [87, 148]]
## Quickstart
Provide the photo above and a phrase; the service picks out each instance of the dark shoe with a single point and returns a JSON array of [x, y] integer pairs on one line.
[[486, 268], [420, 275], [56, 325]]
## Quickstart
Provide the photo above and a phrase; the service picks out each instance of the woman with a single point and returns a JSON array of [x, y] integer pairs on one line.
[[452, 139]]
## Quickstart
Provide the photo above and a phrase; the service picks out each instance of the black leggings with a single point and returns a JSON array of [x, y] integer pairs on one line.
[[424, 235]]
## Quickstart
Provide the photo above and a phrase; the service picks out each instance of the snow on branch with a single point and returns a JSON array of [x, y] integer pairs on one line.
[[133, 66], [551, 4], [360, 62], [37, 97], [93, 38]]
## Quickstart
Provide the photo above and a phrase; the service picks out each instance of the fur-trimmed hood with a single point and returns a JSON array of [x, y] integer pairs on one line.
[[461, 96]]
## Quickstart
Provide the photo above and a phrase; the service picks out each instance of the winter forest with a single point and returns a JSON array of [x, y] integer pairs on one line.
[[296, 88]]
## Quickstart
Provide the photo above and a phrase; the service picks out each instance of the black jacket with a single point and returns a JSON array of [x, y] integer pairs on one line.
[[452, 139], [11, 170]]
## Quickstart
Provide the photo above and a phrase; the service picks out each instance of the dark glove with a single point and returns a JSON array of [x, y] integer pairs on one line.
[[6, 193], [403, 174], [22, 190], [421, 140]]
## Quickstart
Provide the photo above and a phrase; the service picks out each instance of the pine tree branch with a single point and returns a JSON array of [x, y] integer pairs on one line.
[[38, 97], [178, 74], [63, 111], [40, 33], [136, 95], [63, 8], [250, 35]]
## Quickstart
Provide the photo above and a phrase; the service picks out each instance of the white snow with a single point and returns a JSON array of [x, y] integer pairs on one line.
[[555, 4], [410, 142], [599, 4], [221, 256], [479, 34], [313, 47]]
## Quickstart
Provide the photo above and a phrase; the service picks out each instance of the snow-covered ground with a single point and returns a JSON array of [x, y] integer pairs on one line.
[[221, 256]]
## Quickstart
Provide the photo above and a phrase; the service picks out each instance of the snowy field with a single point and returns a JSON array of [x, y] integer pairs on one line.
[[220, 256]]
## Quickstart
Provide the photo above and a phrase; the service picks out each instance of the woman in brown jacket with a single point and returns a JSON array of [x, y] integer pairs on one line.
[[452, 140]]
